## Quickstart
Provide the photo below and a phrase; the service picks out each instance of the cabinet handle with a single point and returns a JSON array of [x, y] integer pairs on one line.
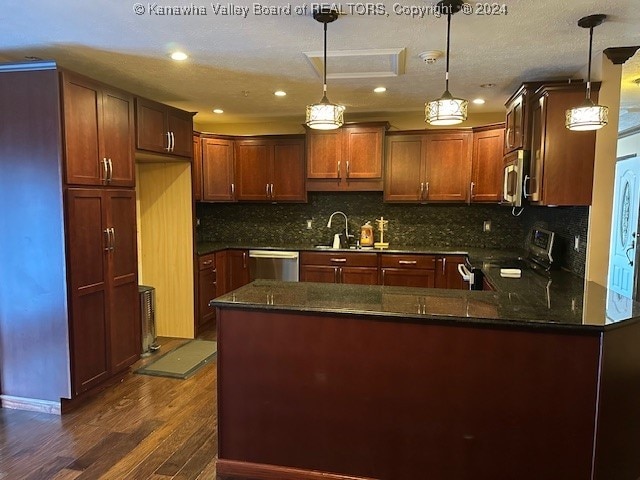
[[421, 190], [244, 259], [508, 137], [347, 168], [335, 274], [173, 142], [107, 239], [407, 262], [267, 190], [444, 265], [105, 170], [341, 260], [168, 149], [272, 190], [426, 188], [233, 189], [524, 186], [472, 188], [340, 275], [207, 262], [338, 171], [113, 238], [383, 274], [110, 170]]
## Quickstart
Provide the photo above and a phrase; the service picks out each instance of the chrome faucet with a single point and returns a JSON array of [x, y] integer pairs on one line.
[[346, 225]]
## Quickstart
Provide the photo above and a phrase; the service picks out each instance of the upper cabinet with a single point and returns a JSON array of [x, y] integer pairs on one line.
[[98, 133], [218, 179], [562, 161], [163, 129], [270, 170], [486, 164], [429, 167], [347, 159], [196, 169]]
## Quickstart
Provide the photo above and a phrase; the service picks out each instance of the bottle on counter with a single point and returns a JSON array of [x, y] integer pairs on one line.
[[366, 235]]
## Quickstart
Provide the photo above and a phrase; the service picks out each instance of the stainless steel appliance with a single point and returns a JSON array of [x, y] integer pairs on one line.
[[148, 319], [543, 249], [514, 167], [273, 265]]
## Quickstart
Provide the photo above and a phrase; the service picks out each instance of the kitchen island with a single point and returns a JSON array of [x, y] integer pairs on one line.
[[346, 381]]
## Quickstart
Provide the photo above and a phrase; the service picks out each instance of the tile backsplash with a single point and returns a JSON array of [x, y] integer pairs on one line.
[[428, 225]]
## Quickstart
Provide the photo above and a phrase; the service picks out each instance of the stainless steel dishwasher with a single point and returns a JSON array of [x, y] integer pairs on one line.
[[273, 265]]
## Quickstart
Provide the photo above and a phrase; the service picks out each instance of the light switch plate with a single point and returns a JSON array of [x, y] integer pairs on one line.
[[576, 243], [486, 226], [309, 224]]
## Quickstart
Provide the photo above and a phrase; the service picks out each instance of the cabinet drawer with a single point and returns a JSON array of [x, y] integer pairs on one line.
[[408, 261], [340, 259], [206, 261]]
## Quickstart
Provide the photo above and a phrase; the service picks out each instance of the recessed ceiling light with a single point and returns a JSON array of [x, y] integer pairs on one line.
[[280, 93], [218, 110], [380, 89], [478, 101], [179, 56], [488, 85]]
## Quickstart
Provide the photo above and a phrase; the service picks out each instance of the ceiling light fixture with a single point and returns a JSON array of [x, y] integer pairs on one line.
[[479, 101], [179, 56], [447, 110], [218, 110], [325, 115], [588, 116], [280, 93], [380, 89]]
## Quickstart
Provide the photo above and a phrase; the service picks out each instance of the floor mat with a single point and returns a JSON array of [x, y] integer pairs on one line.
[[183, 361]]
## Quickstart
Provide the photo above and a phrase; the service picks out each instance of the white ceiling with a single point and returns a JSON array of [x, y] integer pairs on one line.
[[236, 63]]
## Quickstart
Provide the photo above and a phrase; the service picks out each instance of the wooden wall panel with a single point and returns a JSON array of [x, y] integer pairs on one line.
[[166, 244]]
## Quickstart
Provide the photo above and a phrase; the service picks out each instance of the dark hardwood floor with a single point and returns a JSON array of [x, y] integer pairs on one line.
[[143, 428]]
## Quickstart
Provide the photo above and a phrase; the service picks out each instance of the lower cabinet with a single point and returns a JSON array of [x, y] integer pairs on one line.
[[447, 275], [105, 324], [207, 290], [339, 267], [407, 270], [237, 269]]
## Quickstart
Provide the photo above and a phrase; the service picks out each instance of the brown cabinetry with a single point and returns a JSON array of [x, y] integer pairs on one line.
[[270, 170], [486, 164], [339, 267], [207, 289], [101, 232], [407, 270], [237, 269], [562, 161], [163, 129], [218, 184], [98, 133], [431, 167], [196, 168], [349, 158], [447, 275]]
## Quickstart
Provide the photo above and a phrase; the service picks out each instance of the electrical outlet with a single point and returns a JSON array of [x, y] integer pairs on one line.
[[576, 243], [309, 224], [486, 227]]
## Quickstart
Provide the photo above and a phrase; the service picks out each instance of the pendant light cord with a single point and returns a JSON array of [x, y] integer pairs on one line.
[[446, 75], [324, 87], [589, 68]]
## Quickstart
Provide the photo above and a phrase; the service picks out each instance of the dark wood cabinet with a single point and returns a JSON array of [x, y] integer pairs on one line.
[[101, 232], [237, 269], [514, 137], [447, 275], [98, 133], [218, 183], [349, 158], [163, 129], [431, 167], [404, 270], [339, 267], [207, 290], [270, 170], [196, 168], [562, 161], [486, 164]]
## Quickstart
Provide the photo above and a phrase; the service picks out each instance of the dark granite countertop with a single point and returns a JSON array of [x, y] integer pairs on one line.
[[522, 306]]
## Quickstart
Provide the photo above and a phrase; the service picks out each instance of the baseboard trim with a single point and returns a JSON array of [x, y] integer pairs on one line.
[[30, 404], [261, 471]]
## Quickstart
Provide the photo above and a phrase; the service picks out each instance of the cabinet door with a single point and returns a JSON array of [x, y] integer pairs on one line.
[[514, 133], [318, 273], [362, 152], [180, 127], [82, 100], [207, 291], [88, 253], [287, 172], [486, 169], [324, 154], [196, 169], [404, 169], [359, 275], [237, 269], [406, 277], [151, 126], [117, 137], [533, 184], [217, 170], [447, 275], [252, 162], [448, 167], [124, 317]]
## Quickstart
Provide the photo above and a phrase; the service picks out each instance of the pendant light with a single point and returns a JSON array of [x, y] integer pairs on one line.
[[588, 116], [325, 115], [447, 110]]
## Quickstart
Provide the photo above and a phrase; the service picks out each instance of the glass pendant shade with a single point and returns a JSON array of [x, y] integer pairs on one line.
[[324, 115], [587, 117], [446, 110]]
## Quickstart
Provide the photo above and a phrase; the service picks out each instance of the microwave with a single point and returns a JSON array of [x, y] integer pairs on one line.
[[515, 165]]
